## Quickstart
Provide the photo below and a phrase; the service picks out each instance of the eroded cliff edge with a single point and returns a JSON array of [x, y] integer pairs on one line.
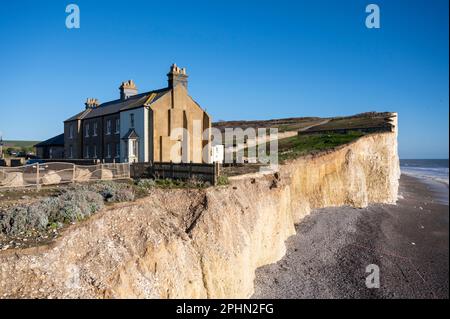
[[201, 243]]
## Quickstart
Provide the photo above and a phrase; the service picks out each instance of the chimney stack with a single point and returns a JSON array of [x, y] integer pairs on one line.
[[127, 89], [91, 103], [177, 76]]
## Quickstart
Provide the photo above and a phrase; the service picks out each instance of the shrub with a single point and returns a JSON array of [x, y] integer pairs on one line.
[[77, 205], [142, 186], [113, 191], [196, 183], [69, 207], [15, 221], [222, 180], [146, 183], [37, 217]]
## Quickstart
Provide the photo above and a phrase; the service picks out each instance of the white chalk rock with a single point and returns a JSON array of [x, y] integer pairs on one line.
[[51, 177]]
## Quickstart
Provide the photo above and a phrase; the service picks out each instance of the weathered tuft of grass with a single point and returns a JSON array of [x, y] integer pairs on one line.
[[222, 180]]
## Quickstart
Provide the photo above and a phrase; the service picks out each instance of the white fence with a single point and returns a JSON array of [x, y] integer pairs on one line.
[[60, 173]]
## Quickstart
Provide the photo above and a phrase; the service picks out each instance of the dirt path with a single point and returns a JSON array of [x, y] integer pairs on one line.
[[409, 242], [279, 136]]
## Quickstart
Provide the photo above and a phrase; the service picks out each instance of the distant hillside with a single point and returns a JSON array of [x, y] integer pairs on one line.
[[19, 144]]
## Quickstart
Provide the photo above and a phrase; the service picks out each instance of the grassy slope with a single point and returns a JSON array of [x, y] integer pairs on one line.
[[19, 144], [364, 120], [317, 138], [296, 146]]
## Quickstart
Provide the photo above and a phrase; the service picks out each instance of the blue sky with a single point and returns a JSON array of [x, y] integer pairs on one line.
[[246, 60]]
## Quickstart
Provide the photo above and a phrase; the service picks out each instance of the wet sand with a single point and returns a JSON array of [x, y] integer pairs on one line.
[[333, 246]]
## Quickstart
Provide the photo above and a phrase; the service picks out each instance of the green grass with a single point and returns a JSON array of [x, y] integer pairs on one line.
[[222, 180], [19, 144], [365, 120], [296, 146]]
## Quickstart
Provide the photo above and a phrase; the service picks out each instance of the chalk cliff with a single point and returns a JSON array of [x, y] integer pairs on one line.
[[201, 243]]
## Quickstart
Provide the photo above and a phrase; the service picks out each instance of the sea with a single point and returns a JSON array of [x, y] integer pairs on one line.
[[430, 169]]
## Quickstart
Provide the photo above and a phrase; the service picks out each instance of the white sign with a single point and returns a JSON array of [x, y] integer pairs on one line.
[[218, 154]]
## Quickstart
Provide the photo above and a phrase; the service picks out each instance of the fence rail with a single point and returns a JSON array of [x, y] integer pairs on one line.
[[182, 171], [60, 173]]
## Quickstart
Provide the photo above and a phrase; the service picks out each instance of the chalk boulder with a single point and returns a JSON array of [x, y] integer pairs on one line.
[[82, 175], [51, 177], [13, 179]]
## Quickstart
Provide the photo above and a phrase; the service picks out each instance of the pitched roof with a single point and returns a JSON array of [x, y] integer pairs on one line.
[[54, 141], [121, 105], [78, 116], [131, 134]]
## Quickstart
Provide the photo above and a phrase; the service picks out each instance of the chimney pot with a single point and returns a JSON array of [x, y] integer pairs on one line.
[[91, 103], [127, 89], [177, 76]]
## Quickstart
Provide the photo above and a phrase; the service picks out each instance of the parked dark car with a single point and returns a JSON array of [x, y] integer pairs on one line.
[[31, 156], [34, 161]]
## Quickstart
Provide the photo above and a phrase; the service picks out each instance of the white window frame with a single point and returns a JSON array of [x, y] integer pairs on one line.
[[94, 153], [108, 150], [134, 148], [108, 127], [117, 126], [86, 130], [95, 129], [71, 131], [87, 152]]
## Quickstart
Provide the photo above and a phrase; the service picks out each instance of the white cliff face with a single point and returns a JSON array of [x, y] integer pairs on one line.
[[201, 243]]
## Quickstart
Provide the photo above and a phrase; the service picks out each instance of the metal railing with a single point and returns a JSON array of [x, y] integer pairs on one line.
[[60, 173]]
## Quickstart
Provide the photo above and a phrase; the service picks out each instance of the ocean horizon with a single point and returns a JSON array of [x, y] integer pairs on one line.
[[430, 169]]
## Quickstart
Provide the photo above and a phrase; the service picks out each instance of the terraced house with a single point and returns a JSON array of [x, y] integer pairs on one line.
[[137, 127]]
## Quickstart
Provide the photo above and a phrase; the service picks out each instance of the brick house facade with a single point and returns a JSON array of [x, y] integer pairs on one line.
[[138, 127]]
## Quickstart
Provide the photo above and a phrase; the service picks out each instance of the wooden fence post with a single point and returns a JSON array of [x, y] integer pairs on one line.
[[37, 175], [216, 173]]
